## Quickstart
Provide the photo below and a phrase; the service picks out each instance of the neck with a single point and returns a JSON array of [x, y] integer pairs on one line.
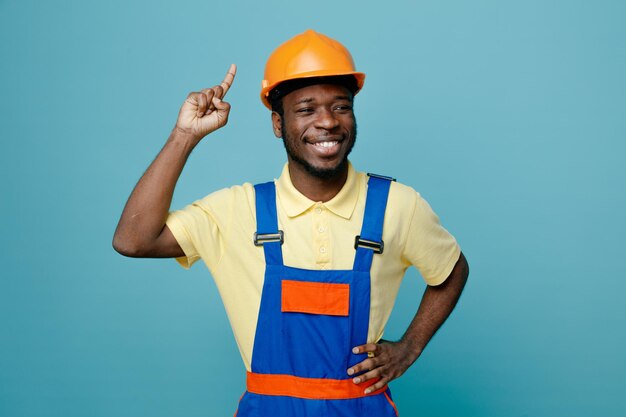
[[315, 188]]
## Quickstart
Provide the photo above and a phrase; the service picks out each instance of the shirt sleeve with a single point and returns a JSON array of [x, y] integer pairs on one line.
[[197, 232], [429, 246]]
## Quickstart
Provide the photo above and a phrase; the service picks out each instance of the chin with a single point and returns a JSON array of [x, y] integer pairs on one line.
[[326, 172]]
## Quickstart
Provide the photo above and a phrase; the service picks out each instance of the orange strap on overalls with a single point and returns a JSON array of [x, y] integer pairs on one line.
[[311, 388]]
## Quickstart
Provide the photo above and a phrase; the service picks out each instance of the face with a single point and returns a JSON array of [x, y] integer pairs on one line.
[[318, 129]]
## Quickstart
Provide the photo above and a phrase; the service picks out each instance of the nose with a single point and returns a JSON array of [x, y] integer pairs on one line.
[[326, 119]]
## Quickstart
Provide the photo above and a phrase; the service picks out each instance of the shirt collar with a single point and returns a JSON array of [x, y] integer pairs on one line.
[[295, 203]]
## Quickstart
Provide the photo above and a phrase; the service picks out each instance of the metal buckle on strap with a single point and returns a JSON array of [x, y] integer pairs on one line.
[[261, 238], [380, 176], [377, 247]]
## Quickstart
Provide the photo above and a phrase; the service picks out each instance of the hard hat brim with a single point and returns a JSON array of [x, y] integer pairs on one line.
[[359, 76]]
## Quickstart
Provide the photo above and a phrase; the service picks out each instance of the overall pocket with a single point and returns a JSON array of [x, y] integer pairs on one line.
[[316, 328], [315, 298]]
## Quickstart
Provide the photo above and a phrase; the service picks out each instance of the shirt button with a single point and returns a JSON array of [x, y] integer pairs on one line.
[[323, 249], [318, 210], [321, 229]]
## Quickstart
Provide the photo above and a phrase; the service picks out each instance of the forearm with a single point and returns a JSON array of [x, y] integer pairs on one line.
[[436, 305], [141, 231], [144, 215]]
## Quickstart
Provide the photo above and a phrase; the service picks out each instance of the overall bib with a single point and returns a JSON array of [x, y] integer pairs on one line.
[[308, 323]]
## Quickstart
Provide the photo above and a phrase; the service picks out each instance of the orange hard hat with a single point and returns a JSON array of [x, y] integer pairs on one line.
[[309, 54]]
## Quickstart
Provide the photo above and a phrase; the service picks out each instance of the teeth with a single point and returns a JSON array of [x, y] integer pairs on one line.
[[326, 144]]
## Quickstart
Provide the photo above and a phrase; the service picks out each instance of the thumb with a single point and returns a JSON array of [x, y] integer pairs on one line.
[[220, 105]]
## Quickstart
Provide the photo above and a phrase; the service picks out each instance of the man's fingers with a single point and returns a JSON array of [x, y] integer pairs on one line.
[[202, 104], [220, 105], [192, 98], [368, 348], [366, 365], [378, 385], [218, 90], [204, 98], [228, 79], [207, 95], [386, 361], [374, 373]]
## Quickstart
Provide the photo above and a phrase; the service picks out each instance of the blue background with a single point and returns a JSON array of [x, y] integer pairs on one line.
[[509, 117]]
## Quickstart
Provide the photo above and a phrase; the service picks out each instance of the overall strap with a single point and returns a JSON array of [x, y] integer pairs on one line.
[[370, 241], [267, 233]]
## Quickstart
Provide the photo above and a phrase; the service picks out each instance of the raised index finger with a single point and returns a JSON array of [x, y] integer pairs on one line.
[[228, 79]]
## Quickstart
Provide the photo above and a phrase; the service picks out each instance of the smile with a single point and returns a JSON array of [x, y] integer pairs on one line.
[[326, 148], [328, 144]]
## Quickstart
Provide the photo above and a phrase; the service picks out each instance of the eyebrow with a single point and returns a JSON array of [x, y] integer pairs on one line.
[[304, 100], [309, 99]]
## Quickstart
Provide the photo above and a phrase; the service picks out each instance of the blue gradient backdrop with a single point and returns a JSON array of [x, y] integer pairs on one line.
[[509, 117]]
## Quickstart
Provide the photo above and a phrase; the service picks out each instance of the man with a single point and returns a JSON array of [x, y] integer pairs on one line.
[[307, 272]]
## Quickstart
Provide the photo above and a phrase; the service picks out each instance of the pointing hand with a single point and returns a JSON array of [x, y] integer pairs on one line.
[[204, 112]]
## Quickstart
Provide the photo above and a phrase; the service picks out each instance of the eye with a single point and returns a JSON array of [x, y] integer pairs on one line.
[[305, 110], [343, 108]]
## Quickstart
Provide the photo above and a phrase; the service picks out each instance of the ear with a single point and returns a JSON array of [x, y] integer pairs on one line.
[[276, 125]]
